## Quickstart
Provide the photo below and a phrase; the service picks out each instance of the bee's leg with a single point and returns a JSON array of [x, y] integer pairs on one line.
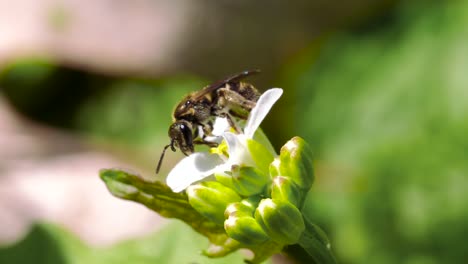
[[228, 96], [207, 129], [203, 142], [229, 103], [228, 117], [232, 123]]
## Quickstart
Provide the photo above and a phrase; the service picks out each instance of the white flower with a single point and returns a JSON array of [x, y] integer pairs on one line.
[[200, 165]]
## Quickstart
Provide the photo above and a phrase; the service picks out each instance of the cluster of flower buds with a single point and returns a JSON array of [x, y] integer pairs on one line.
[[255, 194], [262, 202], [240, 194]]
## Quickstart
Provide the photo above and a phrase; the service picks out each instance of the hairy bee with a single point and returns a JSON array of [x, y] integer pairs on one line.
[[228, 98]]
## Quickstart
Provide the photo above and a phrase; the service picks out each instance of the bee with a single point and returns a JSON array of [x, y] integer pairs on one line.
[[229, 98]]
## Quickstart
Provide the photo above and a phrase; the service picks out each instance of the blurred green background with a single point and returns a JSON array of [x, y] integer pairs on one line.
[[379, 90]]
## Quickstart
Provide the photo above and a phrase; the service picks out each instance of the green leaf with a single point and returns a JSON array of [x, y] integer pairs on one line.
[[315, 242]]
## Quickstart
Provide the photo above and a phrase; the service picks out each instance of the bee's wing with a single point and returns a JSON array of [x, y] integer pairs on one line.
[[216, 85]]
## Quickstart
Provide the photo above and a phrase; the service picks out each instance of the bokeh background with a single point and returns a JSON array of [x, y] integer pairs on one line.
[[378, 88]]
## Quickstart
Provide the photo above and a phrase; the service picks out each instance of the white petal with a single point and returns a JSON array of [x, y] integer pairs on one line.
[[220, 126], [238, 152], [193, 168], [258, 113]]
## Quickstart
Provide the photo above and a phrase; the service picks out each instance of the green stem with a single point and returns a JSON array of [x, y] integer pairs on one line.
[[160, 198], [315, 242]]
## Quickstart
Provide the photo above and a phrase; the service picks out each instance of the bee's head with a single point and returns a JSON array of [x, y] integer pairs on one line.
[[181, 135]]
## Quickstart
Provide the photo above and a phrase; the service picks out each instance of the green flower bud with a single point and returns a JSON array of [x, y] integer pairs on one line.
[[274, 168], [281, 220], [245, 230], [224, 178], [285, 189], [295, 162], [248, 181], [211, 198], [260, 155], [245, 207], [238, 209]]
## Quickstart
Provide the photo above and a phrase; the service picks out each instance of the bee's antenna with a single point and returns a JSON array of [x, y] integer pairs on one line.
[[162, 156]]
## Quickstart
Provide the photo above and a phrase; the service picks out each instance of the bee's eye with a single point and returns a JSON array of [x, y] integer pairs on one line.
[[187, 133], [188, 103]]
